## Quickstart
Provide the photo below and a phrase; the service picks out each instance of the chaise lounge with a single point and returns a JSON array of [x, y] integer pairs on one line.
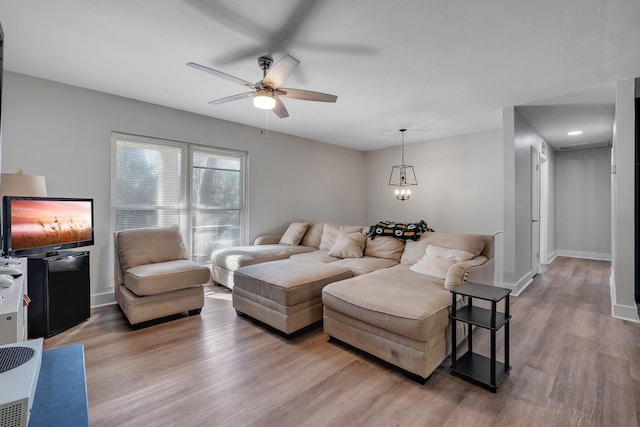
[[401, 314]]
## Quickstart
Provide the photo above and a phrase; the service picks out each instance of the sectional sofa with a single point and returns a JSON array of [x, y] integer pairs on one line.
[[386, 296]]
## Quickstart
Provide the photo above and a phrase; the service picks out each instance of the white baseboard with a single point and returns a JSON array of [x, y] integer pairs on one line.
[[625, 313], [619, 311], [104, 298], [553, 255], [521, 285], [586, 255]]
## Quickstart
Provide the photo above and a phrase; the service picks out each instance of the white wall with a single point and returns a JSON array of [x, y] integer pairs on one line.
[[459, 183], [519, 136], [583, 203], [623, 210], [63, 133]]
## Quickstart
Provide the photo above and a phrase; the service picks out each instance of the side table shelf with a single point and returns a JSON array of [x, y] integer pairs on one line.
[[484, 371]]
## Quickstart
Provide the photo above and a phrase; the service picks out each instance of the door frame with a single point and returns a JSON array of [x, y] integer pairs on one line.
[[535, 211]]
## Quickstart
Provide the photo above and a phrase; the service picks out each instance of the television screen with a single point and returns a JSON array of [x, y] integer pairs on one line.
[[46, 224]]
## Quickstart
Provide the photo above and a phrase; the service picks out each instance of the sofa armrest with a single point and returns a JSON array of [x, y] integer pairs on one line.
[[483, 273], [118, 274], [268, 239], [458, 273]]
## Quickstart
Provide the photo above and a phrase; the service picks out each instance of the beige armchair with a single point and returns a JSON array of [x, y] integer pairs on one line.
[[154, 277]]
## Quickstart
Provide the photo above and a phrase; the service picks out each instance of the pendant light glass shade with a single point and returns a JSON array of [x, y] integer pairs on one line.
[[264, 100]]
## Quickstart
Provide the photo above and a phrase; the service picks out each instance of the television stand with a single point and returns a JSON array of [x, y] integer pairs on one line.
[[59, 288]]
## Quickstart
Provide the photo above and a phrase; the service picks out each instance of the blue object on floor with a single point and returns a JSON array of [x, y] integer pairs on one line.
[[61, 394]]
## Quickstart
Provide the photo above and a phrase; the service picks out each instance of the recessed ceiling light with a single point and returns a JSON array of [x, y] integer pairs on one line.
[[574, 132]]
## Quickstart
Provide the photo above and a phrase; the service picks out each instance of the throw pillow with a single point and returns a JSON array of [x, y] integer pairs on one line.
[[414, 251], [385, 247], [314, 233], [348, 245], [437, 260], [294, 233], [330, 233]]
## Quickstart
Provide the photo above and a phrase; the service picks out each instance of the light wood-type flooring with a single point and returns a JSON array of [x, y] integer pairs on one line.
[[572, 365]]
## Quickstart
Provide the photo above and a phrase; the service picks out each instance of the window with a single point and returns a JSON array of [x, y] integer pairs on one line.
[[216, 200], [201, 189]]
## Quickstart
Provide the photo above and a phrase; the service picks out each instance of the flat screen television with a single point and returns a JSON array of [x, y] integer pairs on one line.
[[43, 225]]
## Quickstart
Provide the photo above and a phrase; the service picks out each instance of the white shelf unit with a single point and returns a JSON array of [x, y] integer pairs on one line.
[[13, 313]]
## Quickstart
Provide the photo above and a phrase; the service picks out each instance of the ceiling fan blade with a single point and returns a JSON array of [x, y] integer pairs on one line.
[[266, 39], [294, 22], [346, 48], [239, 55], [280, 71], [232, 98], [280, 110], [306, 95], [221, 74]]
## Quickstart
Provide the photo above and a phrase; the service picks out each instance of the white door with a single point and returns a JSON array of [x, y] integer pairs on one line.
[[535, 211]]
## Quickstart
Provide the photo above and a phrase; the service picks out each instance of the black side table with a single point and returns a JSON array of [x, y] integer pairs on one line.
[[486, 372]]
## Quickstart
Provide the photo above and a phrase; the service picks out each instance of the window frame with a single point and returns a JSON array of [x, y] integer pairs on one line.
[[186, 206]]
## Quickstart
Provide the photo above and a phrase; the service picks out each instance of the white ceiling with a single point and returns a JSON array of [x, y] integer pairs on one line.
[[438, 68]]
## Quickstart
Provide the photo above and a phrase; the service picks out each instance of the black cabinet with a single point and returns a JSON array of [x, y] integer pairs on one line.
[[59, 288]]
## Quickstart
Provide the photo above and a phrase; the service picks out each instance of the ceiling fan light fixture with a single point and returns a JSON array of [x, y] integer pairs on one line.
[[264, 100], [267, 92]]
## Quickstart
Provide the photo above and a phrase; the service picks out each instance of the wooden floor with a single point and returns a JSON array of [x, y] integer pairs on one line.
[[573, 365]]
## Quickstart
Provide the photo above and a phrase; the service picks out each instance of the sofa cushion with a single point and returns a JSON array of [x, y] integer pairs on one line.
[[129, 299], [348, 245], [315, 256], [437, 260], [330, 233], [313, 235], [414, 251], [294, 234], [384, 247], [394, 299], [365, 264], [162, 277], [234, 258], [288, 282], [142, 246]]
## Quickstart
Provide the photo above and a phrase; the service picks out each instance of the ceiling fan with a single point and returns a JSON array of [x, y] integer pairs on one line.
[[267, 92]]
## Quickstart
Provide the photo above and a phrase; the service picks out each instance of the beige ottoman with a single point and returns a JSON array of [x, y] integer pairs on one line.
[[284, 294], [393, 314]]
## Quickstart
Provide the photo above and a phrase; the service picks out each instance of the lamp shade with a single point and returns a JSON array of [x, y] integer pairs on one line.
[[22, 185]]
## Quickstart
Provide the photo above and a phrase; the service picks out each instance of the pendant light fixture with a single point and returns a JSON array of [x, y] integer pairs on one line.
[[402, 176]]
